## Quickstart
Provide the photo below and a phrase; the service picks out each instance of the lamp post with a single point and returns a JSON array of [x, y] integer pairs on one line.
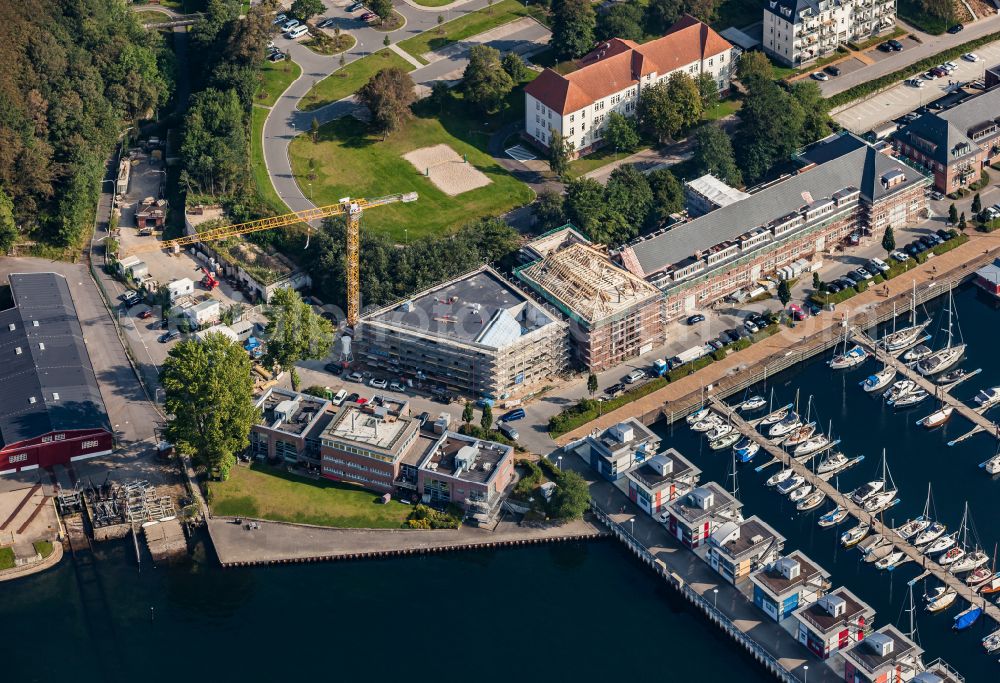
[[631, 522], [559, 462], [805, 670], [715, 595]]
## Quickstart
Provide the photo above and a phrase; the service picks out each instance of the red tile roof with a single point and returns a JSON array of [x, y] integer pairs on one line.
[[617, 64]]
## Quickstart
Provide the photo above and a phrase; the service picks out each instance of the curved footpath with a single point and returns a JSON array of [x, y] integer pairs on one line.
[[285, 120]]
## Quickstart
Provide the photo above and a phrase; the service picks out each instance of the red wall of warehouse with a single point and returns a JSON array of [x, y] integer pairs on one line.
[[47, 453]]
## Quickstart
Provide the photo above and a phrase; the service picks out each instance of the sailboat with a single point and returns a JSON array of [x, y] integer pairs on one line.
[[987, 398], [973, 556], [897, 340], [724, 441], [917, 353], [942, 544], [790, 484], [930, 534], [913, 527], [698, 415], [784, 427], [992, 466], [752, 403], [850, 358], [899, 389], [952, 376], [799, 435], [967, 617], [885, 496], [941, 599], [853, 536], [776, 416], [911, 399], [811, 445], [711, 421], [778, 477], [746, 449], [800, 493], [889, 561], [937, 418], [811, 502], [866, 491], [939, 361], [719, 431], [992, 642], [833, 517], [880, 380]]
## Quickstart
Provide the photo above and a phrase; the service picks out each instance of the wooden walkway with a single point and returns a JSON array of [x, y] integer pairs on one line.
[[980, 422], [856, 511]]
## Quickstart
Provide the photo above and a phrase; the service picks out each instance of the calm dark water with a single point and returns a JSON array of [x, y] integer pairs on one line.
[[586, 612], [915, 456]]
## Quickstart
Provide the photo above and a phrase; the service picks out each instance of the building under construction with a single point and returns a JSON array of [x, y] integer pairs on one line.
[[476, 334], [614, 314]]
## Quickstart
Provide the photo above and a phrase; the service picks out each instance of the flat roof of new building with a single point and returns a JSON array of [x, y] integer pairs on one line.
[[48, 380], [480, 307], [754, 535], [466, 458], [722, 501], [771, 579], [354, 426], [864, 654], [651, 478], [716, 191], [816, 614], [290, 412]]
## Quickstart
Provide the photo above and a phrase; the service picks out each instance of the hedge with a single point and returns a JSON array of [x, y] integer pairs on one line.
[[877, 84], [989, 226]]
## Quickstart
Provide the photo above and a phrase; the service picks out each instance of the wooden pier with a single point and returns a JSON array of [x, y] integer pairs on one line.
[[856, 511], [979, 421]]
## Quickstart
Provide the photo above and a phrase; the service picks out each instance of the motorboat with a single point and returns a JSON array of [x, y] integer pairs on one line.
[[954, 554], [790, 484], [940, 545], [903, 386], [753, 403], [872, 543], [987, 398], [833, 517], [889, 561], [978, 576], [971, 561], [937, 418], [719, 431], [991, 586], [931, 533], [811, 502], [992, 466], [778, 477], [799, 435], [811, 445], [941, 599], [711, 422], [746, 453], [786, 426], [852, 537], [992, 642], [911, 399], [880, 501], [945, 358], [917, 353], [724, 441], [951, 376], [880, 380], [866, 491], [831, 463], [776, 416], [967, 617], [912, 527], [698, 415], [800, 493], [853, 357]]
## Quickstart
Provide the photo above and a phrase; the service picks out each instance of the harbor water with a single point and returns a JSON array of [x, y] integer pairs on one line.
[[915, 456]]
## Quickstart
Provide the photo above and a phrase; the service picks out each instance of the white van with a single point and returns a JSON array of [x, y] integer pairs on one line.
[[297, 32], [339, 398]]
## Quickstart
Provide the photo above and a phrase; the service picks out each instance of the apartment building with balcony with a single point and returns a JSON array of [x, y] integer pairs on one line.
[[661, 480], [737, 548], [289, 427], [610, 78], [844, 186], [796, 32]]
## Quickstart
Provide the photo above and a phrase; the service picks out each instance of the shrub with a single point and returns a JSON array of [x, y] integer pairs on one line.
[[988, 226], [984, 180], [424, 517], [530, 481]]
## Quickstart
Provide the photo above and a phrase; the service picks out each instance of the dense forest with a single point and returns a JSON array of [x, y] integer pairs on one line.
[[73, 75]]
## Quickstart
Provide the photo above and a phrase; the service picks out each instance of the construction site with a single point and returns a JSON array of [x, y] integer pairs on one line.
[[614, 315]]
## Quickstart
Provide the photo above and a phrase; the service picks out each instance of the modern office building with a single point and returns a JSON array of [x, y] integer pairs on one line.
[[366, 446], [833, 622], [696, 515], [610, 78], [471, 473], [477, 334], [954, 144], [783, 586], [613, 315], [660, 480], [51, 409], [844, 187], [737, 548], [796, 32], [290, 427]]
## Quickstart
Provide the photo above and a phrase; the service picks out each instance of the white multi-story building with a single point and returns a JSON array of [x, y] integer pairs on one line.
[[799, 31], [610, 77]]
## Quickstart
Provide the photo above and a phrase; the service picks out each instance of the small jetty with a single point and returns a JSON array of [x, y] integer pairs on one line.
[[854, 510], [166, 540]]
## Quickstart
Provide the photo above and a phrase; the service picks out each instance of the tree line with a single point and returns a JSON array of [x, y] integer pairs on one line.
[[73, 76]]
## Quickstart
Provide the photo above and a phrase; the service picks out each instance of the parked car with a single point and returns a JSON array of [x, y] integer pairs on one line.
[[715, 344], [397, 387], [797, 313], [169, 336], [276, 57], [148, 313], [895, 45], [957, 28], [695, 319], [920, 247], [354, 7], [750, 326], [834, 287], [950, 66], [423, 417], [863, 273], [615, 389], [508, 431], [900, 256], [915, 82], [297, 32], [945, 235], [339, 397], [929, 241], [832, 70], [884, 47], [334, 368], [356, 377], [634, 376], [820, 76], [367, 16], [280, 19], [879, 265], [352, 398], [854, 278], [936, 196], [378, 383], [930, 76], [289, 25], [939, 72], [728, 337], [513, 415], [970, 57], [325, 23]]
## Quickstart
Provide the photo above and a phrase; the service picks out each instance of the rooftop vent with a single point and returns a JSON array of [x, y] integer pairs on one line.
[[12, 327], [32, 399], [41, 346], [702, 498], [34, 323], [55, 395], [17, 350]]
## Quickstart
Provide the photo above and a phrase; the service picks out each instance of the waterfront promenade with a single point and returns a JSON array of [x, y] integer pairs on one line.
[[280, 542], [807, 338]]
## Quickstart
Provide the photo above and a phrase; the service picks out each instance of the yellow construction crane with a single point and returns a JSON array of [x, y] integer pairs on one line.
[[352, 208]]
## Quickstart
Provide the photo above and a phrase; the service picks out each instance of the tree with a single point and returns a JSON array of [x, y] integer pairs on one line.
[[816, 123], [560, 150], [440, 20], [592, 384], [467, 413], [386, 40], [382, 8], [952, 214], [628, 195], [666, 109], [515, 67], [573, 24], [668, 195], [572, 496], [889, 240], [388, 95], [754, 64], [817, 282], [304, 10], [708, 89], [962, 225], [715, 155], [314, 130], [620, 133], [549, 211], [294, 332], [8, 227], [621, 20], [209, 396], [771, 129], [661, 15], [486, 420], [977, 204], [485, 82], [784, 292], [585, 207]]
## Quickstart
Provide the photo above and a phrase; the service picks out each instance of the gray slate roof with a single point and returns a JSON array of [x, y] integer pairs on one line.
[[841, 161], [62, 368], [951, 127]]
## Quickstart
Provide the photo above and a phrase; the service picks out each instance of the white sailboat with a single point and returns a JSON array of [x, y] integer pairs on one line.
[[811, 445], [972, 556], [853, 536], [790, 484], [831, 463], [931, 533], [899, 389], [719, 431], [941, 599], [880, 380], [942, 544], [752, 403], [911, 399], [897, 340], [849, 358], [833, 517], [811, 502], [987, 398], [913, 527], [778, 477], [917, 353], [890, 560], [800, 493], [782, 428], [939, 361]]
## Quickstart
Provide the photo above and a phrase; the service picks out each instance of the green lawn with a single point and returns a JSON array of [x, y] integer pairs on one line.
[[468, 25], [6, 558], [913, 13], [594, 160], [152, 16], [350, 161], [346, 81], [274, 494], [432, 3], [257, 166], [275, 77], [723, 109], [43, 548]]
